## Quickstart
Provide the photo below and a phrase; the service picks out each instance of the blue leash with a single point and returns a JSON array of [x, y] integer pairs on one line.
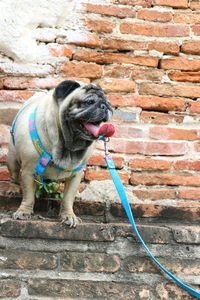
[[122, 194]]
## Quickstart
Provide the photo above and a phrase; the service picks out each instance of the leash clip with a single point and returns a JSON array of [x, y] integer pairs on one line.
[[105, 141]]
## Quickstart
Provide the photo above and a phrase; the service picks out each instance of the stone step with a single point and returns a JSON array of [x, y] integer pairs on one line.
[[99, 232], [104, 210], [43, 259]]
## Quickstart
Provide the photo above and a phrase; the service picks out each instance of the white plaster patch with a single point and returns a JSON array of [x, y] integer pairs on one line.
[[104, 191], [3, 258], [21, 18]]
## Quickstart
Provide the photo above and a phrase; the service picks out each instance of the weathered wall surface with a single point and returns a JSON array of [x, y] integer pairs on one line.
[[145, 54], [44, 260]]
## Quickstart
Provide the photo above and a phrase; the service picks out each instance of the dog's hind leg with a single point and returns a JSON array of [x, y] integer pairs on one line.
[[14, 170]]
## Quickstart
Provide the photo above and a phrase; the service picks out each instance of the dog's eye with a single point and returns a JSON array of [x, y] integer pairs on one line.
[[90, 102]]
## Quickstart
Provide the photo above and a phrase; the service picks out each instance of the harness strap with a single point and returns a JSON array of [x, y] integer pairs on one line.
[[45, 157], [122, 195], [12, 130]]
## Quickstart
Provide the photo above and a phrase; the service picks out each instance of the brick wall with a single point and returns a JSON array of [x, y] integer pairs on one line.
[[42, 260], [145, 55]]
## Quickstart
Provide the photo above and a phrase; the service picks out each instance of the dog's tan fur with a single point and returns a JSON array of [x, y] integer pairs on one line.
[[24, 156]]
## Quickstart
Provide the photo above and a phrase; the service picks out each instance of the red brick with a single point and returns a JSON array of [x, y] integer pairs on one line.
[[173, 134], [172, 3], [161, 104], [147, 148], [180, 63], [122, 44], [147, 74], [189, 194], [60, 50], [196, 29], [98, 160], [5, 135], [161, 211], [85, 289], [155, 29], [85, 70], [117, 85], [154, 15], [148, 102], [82, 39], [100, 25], [185, 76], [193, 165], [9, 288], [89, 262], [155, 194], [29, 82], [168, 90], [160, 118], [165, 179], [196, 146], [195, 4], [4, 174], [1, 83], [195, 107], [8, 114], [17, 96], [189, 203], [165, 47], [3, 154], [144, 3], [191, 47], [104, 175], [186, 18], [128, 132], [171, 289], [122, 100], [109, 58], [117, 71], [149, 164], [28, 260], [110, 10], [177, 266]]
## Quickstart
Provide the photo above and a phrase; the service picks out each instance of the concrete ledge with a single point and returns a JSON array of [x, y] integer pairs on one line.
[[155, 234]]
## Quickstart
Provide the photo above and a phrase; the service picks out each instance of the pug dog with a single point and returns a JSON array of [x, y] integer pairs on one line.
[[67, 121]]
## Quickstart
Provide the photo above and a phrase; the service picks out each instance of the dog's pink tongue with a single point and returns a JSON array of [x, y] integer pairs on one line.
[[93, 129], [106, 130]]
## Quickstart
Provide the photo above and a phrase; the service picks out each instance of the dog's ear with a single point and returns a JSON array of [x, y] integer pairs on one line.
[[64, 89]]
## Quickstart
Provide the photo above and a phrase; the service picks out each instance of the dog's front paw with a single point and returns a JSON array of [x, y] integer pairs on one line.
[[22, 214], [70, 220]]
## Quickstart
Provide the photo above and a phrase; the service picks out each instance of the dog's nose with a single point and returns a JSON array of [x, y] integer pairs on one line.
[[103, 106]]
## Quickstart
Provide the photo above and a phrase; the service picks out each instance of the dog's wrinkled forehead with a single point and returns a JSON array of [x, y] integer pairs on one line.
[[93, 92], [70, 91]]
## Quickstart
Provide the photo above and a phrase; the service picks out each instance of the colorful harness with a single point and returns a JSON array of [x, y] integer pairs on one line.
[[45, 159]]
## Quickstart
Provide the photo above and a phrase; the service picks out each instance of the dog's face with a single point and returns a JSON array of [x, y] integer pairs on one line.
[[82, 108]]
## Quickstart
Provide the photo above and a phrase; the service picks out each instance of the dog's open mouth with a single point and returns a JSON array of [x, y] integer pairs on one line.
[[92, 128], [96, 129]]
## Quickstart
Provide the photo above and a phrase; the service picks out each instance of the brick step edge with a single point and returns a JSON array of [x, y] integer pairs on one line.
[[100, 232], [105, 211]]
